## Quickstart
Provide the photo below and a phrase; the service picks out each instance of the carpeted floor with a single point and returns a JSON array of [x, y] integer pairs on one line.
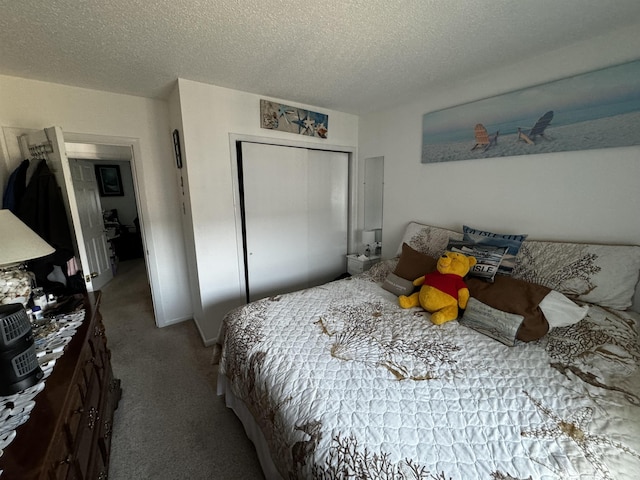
[[169, 424]]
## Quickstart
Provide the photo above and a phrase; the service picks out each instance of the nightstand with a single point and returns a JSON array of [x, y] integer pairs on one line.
[[356, 265]]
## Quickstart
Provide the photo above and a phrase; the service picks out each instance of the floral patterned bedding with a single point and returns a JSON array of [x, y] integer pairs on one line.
[[345, 384]]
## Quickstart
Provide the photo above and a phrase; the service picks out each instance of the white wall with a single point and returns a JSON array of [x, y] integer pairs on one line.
[[589, 195], [208, 115], [33, 104]]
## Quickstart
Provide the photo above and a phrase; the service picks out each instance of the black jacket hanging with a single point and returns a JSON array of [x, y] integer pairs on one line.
[[42, 209], [16, 187]]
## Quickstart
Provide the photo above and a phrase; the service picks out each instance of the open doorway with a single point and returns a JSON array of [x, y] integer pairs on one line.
[[17, 144], [117, 199]]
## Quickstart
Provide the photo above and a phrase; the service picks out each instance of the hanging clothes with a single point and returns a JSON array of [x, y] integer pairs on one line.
[[16, 187], [42, 208]]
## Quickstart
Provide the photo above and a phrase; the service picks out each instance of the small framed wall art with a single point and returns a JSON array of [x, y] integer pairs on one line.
[[109, 180]]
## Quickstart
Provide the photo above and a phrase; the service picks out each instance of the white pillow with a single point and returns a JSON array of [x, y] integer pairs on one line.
[[602, 274], [560, 311], [427, 238]]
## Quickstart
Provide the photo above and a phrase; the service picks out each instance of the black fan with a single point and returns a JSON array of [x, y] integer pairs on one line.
[[19, 368]]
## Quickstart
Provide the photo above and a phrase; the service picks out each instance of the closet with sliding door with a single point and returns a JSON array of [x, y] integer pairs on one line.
[[294, 209]]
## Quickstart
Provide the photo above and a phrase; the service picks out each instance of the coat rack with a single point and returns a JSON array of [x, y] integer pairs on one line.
[[38, 151]]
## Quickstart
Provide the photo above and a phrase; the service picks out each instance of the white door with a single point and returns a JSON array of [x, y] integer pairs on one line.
[[295, 213], [89, 207], [51, 141]]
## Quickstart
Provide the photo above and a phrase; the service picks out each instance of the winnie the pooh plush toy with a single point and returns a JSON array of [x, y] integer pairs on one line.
[[444, 290]]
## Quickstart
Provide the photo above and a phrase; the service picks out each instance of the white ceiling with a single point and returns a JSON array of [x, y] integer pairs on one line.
[[355, 56]]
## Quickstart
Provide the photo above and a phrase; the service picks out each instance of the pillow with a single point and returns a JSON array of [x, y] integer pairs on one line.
[[427, 239], [512, 242], [398, 285], [560, 311], [604, 275], [487, 257], [413, 264], [379, 271], [515, 296], [501, 326]]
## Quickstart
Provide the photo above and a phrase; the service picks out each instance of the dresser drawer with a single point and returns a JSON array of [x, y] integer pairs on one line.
[[68, 434], [76, 411], [111, 397], [89, 424], [61, 459]]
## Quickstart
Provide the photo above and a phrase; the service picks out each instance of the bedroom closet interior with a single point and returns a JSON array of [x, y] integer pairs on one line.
[[294, 209]]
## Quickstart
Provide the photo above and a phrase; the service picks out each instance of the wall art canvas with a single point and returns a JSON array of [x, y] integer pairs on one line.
[[599, 109], [109, 180], [276, 116]]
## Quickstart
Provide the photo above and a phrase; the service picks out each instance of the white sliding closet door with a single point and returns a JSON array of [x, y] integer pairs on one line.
[[296, 214]]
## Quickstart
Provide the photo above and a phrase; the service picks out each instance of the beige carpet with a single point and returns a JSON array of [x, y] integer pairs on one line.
[[169, 424]]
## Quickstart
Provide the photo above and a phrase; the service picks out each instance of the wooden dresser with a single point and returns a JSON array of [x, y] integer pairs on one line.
[[68, 435]]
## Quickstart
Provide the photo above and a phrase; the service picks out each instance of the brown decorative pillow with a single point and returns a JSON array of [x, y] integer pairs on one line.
[[413, 264], [511, 295]]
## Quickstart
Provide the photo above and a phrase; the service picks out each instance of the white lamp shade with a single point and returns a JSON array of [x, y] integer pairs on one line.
[[18, 242], [368, 237]]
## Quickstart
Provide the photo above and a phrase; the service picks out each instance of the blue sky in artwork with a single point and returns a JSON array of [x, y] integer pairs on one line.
[[598, 94], [307, 120]]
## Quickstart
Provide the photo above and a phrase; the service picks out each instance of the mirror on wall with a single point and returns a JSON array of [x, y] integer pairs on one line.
[[373, 195]]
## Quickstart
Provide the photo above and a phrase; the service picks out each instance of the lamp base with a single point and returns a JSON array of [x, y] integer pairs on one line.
[[15, 284]]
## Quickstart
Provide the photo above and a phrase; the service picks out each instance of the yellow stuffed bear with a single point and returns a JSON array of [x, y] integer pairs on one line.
[[444, 290]]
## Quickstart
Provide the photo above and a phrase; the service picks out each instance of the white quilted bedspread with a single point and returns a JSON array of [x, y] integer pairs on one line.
[[344, 384]]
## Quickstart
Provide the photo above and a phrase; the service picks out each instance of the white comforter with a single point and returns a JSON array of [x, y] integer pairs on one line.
[[344, 384]]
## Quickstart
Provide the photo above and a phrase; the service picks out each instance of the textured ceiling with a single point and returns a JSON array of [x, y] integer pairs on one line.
[[355, 56]]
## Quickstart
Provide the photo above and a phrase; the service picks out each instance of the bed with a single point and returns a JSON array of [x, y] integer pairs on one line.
[[337, 381]]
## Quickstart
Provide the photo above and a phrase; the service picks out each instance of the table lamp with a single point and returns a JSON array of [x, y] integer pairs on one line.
[[18, 243], [19, 367]]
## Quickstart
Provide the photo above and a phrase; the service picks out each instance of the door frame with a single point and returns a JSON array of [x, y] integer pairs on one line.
[[11, 149], [236, 138], [134, 145]]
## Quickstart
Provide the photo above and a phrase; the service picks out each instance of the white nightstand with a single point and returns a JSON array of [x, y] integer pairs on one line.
[[356, 265]]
